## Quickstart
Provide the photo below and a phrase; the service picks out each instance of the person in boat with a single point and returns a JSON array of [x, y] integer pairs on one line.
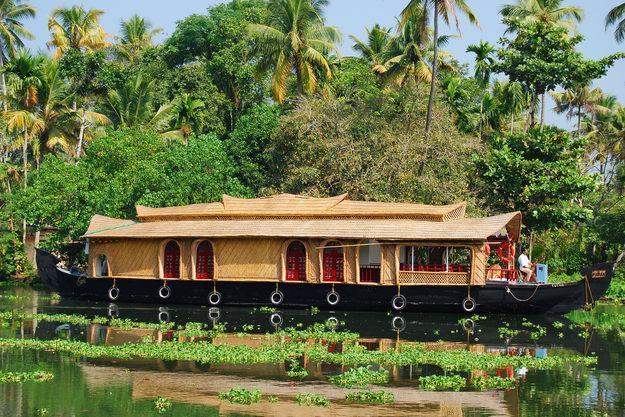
[[525, 265]]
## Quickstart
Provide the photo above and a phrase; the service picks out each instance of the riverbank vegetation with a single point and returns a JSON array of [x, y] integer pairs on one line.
[[224, 105]]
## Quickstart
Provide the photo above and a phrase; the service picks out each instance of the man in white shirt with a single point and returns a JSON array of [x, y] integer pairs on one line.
[[525, 266]]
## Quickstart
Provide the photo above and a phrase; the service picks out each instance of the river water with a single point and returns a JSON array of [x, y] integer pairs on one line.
[[128, 387]]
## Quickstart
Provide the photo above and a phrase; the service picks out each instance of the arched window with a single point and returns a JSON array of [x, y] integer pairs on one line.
[[296, 262], [369, 257], [102, 266], [333, 262], [171, 268], [204, 261]]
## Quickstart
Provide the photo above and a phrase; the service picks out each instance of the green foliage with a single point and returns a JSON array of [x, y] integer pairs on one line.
[[318, 400], [241, 396], [247, 143], [360, 377], [328, 147], [542, 56], [483, 383], [617, 287], [353, 80], [538, 174], [13, 261], [162, 404], [370, 397], [442, 382], [38, 376], [219, 40]]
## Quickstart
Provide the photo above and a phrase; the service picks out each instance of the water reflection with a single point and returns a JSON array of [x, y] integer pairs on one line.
[[107, 387]]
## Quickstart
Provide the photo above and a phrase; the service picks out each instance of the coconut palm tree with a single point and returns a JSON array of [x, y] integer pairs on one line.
[[447, 10], [378, 38], [295, 40], [616, 17], [137, 34], [409, 57], [131, 105], [579, 101], [515, 99], [186, 110], [484, 61], [76, 28], [12, 35], [551, 12], [12, 30]]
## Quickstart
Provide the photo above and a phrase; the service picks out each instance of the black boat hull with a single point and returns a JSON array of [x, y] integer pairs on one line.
[[491, 298]]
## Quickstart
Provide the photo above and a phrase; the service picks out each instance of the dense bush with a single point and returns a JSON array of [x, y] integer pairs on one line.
[[373, 148]]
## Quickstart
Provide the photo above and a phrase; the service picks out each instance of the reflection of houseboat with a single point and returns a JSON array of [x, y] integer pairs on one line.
[[332, 253], [203, 389]]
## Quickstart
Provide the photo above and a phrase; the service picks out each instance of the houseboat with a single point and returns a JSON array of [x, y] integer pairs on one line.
[[333, 253]]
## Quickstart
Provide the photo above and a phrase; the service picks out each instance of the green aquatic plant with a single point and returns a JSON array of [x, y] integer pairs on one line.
[[241, 396], [318, 400], [295, 370], [360, 377], [162, 404], [272, 399], [314, 311], [442, 382], [483, 383], [507, 333], [370, 397], [38, 376], [192, 330]]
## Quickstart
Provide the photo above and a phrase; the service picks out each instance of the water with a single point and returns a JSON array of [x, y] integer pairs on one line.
[[127, 387]]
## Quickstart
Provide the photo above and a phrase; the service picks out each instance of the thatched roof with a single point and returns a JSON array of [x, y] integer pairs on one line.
[[462, 229], [294, 206]]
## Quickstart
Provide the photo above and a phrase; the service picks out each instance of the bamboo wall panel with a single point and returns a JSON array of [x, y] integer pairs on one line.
[[249, 259], [350, 262], [388, 264], [131, 258], [314, 269], [479, 266]]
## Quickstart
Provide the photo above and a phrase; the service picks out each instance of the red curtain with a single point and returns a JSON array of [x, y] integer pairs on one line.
[[172, 260], [204, 261], [296, 262], [333, 263]]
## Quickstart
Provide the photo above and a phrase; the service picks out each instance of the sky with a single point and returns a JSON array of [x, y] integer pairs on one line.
[[353, 16]]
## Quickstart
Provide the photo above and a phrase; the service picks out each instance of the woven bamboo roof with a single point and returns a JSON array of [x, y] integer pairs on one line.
[[294, 206], [460, 229]]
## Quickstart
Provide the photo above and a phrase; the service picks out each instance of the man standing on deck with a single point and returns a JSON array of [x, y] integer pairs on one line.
[[525, 266]]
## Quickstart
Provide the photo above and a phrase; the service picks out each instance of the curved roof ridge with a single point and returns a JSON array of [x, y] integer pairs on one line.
[[291, 205]]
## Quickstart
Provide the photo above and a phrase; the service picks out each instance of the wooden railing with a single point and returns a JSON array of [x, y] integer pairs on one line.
[[434, 278], [370, 273]]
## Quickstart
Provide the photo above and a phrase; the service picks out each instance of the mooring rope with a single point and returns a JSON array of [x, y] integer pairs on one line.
[[509, 291]]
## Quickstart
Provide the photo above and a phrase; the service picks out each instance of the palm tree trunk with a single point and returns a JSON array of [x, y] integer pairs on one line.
[[428, 120], [481, 116], [3, 84], [81, 135], [25, 157], [579, 121], [532, 115], [25, 161], [512, 122], [542, 111]]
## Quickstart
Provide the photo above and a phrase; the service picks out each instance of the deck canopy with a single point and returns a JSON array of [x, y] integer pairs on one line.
[[289, 216]]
